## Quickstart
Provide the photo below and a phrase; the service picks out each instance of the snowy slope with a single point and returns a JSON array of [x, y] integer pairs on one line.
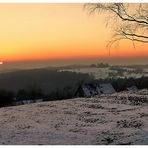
[[108, 119]]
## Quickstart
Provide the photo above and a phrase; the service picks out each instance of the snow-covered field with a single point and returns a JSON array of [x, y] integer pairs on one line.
[[102, 73], [98, 73], [108, 119]]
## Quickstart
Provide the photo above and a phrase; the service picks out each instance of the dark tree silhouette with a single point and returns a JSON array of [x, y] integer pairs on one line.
[[130, 21], [6, 97]]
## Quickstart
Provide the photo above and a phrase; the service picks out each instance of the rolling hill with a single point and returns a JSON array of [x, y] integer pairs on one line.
[[120, 118]]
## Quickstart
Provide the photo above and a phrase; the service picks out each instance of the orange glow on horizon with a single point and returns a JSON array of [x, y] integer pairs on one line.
[[57, 31], [72, 54]]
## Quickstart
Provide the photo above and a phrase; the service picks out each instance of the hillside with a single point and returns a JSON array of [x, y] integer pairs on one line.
[[120, 118], [48, 80]]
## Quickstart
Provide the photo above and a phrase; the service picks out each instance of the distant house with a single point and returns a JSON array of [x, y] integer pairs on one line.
[[38, 100], [23, 102], [90, 90], [83, 91], [27, 101], [132, 88], [107, 88]]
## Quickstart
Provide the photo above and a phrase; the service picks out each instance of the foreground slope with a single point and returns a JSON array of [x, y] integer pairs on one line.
[[108, 119]]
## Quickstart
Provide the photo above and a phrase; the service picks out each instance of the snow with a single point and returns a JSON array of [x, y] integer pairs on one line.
[[107, 88], [106, 119], [102, 73], [86, 91], [96, 72]]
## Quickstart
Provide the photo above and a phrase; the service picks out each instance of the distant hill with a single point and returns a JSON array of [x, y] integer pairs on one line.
[[46, 79]]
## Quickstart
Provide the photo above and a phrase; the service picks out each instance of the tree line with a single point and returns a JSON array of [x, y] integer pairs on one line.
[[8, 98]]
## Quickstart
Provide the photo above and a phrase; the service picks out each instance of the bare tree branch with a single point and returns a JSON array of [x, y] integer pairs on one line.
[[131, 20], [135, 35]]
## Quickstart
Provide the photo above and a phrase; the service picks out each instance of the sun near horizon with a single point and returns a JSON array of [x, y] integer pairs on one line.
[[57, 31]]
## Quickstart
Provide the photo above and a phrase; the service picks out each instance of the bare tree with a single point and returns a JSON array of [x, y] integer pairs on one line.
[[129, 21]]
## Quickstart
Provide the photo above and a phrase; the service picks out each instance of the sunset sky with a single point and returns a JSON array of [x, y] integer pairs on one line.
[[31, 32]]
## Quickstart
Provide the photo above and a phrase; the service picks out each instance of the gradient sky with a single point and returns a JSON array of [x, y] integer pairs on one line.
[[58, 31]]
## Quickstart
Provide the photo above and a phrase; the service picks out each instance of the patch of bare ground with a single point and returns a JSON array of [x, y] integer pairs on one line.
[[106, 138], [129, 123]]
